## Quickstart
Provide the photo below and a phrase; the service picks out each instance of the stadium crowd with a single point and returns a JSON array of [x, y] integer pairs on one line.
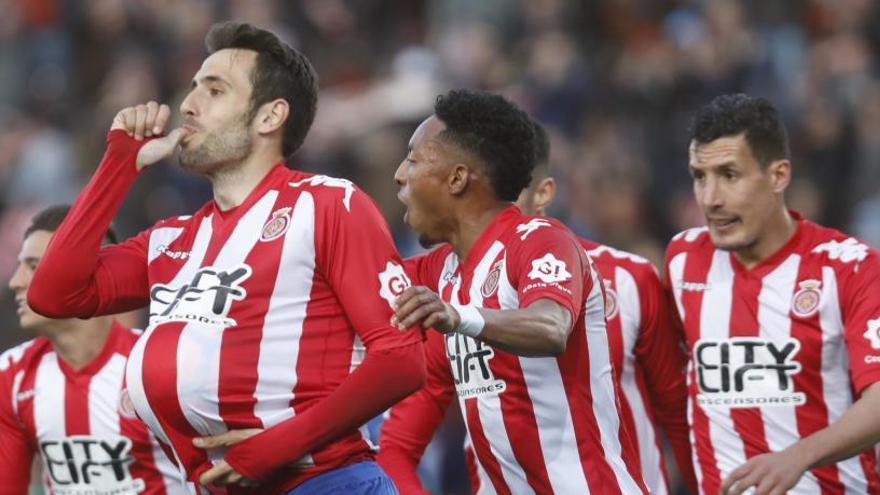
[[614, 82]]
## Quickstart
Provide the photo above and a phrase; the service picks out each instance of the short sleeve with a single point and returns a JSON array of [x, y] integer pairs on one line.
[[356, 254], [859, 294], [548, 263]]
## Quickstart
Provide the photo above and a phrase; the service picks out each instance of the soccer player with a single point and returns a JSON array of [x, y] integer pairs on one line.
[[782, 321], [269, 306], [62, 398], [645, 351], [519, 304]]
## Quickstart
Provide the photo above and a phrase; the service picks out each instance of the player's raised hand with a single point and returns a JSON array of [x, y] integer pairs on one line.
[[147, 121], [419, 304]]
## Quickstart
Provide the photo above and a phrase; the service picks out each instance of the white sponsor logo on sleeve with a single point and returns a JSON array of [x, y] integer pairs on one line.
[[873, 333], [549, 269], [392, 282]]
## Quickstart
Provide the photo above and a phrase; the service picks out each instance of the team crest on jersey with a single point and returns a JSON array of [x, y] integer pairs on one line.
[[806, 300], [490, 285], [469, 359], [611, 304], [206, 299], [747, 372], [277, 225], [126, 406], [86, 465]]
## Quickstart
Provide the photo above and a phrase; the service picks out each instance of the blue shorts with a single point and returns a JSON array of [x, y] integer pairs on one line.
[[363, 478]]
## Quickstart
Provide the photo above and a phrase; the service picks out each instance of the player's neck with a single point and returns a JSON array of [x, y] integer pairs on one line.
[[232, 185], [470, 225], [80, 341], [778, 231]]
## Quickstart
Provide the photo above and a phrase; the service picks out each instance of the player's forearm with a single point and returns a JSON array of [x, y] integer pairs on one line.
[[855, 432], [383, 378], [540, 329], [64, 285]]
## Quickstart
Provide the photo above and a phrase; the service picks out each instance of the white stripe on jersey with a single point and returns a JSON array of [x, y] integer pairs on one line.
[[489, 405], [714, 325], [547, 395], [835, 377], [104, 392], [676, 276], [160, 239], [198, 354], [49, 398], [16, 386], [602, 386], [630, 314], [776, 290]]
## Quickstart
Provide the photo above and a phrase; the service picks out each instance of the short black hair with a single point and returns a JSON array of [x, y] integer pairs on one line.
[[733, 114], [50, 219], [496, 131], [280, 72], [542, 152]]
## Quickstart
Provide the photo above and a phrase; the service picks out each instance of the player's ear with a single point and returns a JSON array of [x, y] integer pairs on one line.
[[544, 194], [271, 116], [459, 177], [780, 175]]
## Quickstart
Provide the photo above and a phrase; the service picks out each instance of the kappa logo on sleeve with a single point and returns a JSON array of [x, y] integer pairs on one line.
[[549, 269], [327, 181], [392, 282], [847, 251], [532, 225]]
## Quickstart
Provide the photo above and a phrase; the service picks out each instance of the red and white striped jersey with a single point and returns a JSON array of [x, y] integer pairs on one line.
[[537, 425], [258, 313], [80, 424], [778, 351], [648, 359]]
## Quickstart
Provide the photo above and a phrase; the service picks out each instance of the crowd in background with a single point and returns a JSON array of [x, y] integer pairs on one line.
[[614, 81]]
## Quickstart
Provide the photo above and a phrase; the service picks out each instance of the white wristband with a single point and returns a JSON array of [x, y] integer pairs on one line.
[[472, 321]]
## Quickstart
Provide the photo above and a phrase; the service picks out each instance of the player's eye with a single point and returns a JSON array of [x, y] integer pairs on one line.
[[215, 92]]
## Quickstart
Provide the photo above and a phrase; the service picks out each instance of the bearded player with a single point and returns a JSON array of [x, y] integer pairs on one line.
[[269, 306]]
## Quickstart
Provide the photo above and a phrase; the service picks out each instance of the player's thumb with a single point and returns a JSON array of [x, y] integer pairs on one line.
[[174, 137]]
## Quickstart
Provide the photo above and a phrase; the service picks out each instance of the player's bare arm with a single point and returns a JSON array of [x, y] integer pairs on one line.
[[541, 329], [775, 473]]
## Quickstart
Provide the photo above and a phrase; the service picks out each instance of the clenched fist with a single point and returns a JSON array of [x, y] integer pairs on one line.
[[149, 121]]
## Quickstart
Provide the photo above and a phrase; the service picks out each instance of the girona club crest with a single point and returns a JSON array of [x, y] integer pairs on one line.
[[611, 305], [806, 300], [277, 225], [490, 285]]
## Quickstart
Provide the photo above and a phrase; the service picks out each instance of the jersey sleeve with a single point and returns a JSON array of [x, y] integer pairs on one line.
[[76, 277], [425, 269], [16, 449], [548, 263], [412, 422], [660, 353], [859, 294], [357, 256]]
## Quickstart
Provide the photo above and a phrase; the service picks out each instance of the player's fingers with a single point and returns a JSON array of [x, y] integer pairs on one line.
[[119, 120], [419, 315], [212, 442], [130, 117], [162, 116], [422, 298], [406, 295], [214, 473], [150, 122], [732, 478], [140, 121]]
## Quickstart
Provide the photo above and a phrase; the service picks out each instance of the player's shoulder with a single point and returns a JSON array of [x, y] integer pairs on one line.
[[607, 259], [833, 247], [327, 190], [530, 229], [693, 240], [23, 356]]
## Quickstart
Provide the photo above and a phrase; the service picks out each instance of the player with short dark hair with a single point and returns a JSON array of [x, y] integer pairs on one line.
[[518, 303], [269, 306], [781, 318], [63, 398]]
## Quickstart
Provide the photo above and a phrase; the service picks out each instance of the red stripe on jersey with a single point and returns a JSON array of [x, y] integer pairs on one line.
[[482, 448], [812, 416], [696, 269], [744, 323], [160, 387], [521, 424], [76, 404], [576, 380], [142, 450], [240, 349]]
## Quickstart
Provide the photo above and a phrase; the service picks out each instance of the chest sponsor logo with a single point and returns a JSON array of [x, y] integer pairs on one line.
[[85, 465], [747, 372], [206, 299], [490, 285], [469, 359], [806, 300], [276, 226], [872, 333], [611, 302], [392, 282]]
